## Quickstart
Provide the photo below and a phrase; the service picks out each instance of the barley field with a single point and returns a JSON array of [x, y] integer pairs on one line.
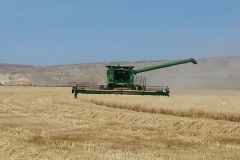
[[48, 123]]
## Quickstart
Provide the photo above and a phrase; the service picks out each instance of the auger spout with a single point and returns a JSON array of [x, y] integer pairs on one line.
[[165, 65]]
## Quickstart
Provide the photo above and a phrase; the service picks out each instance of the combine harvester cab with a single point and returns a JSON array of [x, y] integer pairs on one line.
[[122, 80]]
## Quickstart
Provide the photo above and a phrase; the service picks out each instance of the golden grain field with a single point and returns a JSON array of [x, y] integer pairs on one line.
[[48, 123]]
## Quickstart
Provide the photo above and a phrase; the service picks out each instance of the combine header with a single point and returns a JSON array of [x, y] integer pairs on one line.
[[121, 80]]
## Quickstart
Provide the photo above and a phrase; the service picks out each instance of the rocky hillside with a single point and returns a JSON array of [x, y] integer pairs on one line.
[[211, 73]]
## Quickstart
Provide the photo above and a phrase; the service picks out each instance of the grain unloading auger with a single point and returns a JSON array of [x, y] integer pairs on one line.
[[122, 80]]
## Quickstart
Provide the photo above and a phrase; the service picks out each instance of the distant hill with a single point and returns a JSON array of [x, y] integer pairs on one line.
[[210, 73], [3, 65]]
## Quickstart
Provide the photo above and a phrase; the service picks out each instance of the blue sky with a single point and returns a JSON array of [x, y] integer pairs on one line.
[[58, 32]]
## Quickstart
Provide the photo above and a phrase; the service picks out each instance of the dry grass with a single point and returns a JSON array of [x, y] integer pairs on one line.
[[48, 123], [219, 110]]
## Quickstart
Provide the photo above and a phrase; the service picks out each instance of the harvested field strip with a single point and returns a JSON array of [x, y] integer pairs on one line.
[[192, 112]]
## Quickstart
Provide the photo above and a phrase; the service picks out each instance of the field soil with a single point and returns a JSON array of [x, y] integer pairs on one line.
[[49, 123]]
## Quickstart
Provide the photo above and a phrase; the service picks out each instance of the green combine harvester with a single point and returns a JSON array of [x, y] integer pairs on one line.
[[122, 80]]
